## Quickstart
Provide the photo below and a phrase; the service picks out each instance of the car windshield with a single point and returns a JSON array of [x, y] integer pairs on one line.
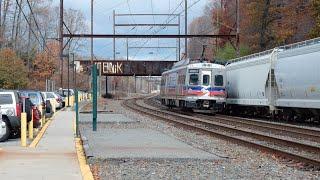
[[6, 99], [49, 95], [34, 98]]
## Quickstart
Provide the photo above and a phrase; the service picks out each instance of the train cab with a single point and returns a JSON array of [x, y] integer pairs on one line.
[[197, 86]]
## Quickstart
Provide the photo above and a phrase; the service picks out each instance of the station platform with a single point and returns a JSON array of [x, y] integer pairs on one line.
[[106, 118], [133, 142], [54, 158], [140, 144]]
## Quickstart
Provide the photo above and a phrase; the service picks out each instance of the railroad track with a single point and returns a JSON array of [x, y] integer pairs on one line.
[[293, 151], [269, 127]]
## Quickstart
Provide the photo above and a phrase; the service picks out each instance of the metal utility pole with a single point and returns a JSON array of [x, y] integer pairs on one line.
[[94, 78], [186, 26], [179, 41], [135, 84], [68, 81], [106, 85], [127, 49], [91, 32], [61, 42], [238, 29], [114, 33], [74, 72]]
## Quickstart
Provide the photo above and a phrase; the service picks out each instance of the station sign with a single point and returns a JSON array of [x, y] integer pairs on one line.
[[131, 68]]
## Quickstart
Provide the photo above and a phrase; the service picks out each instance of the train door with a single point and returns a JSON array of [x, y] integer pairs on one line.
[[218, 83], [206, 78]]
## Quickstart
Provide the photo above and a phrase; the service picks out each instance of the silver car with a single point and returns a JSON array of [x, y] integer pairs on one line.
[[10, 114], [4, 129]]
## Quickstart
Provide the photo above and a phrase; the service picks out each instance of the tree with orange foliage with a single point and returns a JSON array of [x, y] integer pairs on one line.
[[44, 66], [315, 11], [265, 24], [13, 72]]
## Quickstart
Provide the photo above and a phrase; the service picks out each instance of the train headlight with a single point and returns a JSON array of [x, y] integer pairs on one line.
[[206, 104]]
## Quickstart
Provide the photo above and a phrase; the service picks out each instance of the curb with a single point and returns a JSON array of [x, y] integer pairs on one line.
[[36, 141], [84, 167]]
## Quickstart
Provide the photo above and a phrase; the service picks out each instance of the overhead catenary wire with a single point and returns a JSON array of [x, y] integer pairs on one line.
[[168, 20], [33, 32], [35, 21], [154, 21]]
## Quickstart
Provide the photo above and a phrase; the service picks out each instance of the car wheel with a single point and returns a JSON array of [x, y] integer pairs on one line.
[[4, 131]]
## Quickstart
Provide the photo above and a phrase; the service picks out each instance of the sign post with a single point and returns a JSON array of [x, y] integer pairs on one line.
[[77, 112], [94, 94]]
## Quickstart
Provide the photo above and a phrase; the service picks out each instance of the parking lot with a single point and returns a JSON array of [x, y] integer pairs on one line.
[[11, 143]]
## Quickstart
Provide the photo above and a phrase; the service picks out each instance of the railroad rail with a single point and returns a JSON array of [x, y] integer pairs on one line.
[[270, 127], [299, 152]]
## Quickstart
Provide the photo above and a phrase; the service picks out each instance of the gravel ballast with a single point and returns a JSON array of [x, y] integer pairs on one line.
[[237, 162]]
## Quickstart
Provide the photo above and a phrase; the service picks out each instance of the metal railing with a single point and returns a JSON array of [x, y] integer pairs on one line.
[[285, 47]]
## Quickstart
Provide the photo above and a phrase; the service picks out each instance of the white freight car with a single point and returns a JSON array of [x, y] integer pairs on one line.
[[284, 82]]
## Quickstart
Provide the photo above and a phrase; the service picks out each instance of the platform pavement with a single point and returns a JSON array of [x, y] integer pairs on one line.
[[55, 156]]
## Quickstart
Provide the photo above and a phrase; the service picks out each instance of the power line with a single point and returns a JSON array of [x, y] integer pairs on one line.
[[34, 18], [167, 21], [33, 32], [130, 12]]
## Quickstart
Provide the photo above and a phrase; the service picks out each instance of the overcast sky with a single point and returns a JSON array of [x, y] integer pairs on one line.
[[103, 10]]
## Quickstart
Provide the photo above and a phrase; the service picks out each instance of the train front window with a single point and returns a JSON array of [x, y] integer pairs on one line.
[[206, 80], [218, 80], [194, 79]]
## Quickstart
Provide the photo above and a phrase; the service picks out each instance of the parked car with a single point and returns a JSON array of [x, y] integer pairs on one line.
[[37, 99], [31, 109], [4, 129], [53, 98], [64, 94], [11, 107], [59, 97]]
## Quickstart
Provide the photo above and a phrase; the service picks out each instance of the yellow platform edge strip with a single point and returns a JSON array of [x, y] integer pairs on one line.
[[36, 140], [84, 167]]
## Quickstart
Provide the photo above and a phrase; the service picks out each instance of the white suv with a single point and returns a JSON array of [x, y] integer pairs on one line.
[[53, 98], [10, 114], [4, 129]]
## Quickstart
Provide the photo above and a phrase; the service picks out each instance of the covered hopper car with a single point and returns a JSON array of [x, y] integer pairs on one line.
[[283, 82]]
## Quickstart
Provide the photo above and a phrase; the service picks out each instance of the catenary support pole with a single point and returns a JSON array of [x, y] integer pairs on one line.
[[238, 29], [74, 71], [107, 85], [186, 26], [114, 32], [61, 42]]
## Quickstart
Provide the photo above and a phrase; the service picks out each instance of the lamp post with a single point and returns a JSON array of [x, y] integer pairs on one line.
[[74, 71], [68, 83]]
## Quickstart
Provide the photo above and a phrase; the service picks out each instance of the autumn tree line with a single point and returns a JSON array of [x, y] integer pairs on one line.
[[264, 24], [29, 50]]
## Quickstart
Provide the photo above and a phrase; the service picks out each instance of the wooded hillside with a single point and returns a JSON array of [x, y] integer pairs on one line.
[[264, 24]]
